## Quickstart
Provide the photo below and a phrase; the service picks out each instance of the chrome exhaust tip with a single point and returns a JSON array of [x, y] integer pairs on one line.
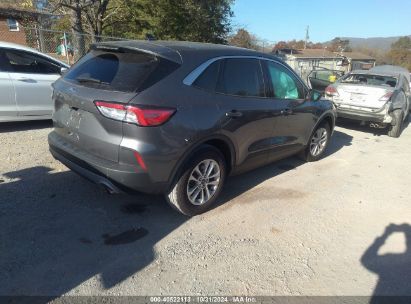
[[377, 125]]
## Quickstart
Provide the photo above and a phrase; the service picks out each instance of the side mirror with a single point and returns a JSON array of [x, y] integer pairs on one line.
[[63, 70], [314, 95]]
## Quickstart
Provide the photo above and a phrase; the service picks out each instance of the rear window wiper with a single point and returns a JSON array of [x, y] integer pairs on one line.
[[90, 80]]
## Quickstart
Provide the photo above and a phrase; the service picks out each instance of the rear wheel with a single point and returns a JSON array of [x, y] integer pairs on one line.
[[198, 187], [395, 130], [318, 143]]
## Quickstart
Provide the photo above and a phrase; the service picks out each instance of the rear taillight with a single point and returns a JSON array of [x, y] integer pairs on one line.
[[331, 91], [142, 116], [386, 97]]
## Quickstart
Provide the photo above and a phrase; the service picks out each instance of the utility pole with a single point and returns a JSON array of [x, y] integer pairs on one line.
[[307, 36]]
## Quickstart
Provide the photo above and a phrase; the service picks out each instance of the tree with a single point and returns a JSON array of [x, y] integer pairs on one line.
[[74, 8], [340, 45], [294, 44], [400, 53], [380, 56], [281, 45], [133, 19], [17, 3], [316, 45], [404, 43], [194, 20], [98, 13], [243, 39], [86, 17]]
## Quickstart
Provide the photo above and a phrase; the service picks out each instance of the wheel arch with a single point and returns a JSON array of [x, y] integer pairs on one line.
[[220, 142], [395, 105], [327, 117]]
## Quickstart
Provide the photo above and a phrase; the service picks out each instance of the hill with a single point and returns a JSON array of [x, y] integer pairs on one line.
[[381, 43]]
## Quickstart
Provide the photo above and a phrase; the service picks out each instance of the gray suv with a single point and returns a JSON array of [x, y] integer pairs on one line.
[[177, 118]]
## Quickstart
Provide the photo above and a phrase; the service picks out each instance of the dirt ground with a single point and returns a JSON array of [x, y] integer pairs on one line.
[[335, 227]]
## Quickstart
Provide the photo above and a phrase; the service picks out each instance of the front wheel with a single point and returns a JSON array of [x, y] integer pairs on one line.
[[198, 187], [318, 143]]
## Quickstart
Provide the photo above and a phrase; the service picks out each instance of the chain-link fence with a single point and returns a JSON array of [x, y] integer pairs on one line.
[[65, 46], [69, 47]]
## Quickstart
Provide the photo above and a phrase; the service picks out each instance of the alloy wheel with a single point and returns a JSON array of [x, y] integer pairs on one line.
[[203, 182], [318, 142]]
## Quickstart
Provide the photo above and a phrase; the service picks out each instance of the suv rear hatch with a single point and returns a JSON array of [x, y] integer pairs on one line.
[[106, 74]]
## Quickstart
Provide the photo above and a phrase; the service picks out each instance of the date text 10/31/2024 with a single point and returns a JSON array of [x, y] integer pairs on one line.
[[203, 299]]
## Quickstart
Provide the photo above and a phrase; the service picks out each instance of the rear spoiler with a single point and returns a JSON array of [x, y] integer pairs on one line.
[[150, 48]]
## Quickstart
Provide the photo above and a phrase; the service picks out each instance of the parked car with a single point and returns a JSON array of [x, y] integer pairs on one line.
[[380, 95], [26, 76], [178, 117], [320, 78]]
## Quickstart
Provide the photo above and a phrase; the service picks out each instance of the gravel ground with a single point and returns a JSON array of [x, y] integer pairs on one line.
[[290, 228]]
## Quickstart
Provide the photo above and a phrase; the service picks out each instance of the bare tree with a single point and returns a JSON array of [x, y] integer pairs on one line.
[[98, 13], [243, 39], [76, 9]]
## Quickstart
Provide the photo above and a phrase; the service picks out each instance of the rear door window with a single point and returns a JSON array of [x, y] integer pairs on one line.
[[120, 71], [241, 77]]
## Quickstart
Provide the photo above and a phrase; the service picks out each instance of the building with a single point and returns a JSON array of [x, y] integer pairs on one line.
[[304, 61], [14, 20], [359, 61]]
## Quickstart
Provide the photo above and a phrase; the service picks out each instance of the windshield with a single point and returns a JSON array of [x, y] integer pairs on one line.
[[375, 80]]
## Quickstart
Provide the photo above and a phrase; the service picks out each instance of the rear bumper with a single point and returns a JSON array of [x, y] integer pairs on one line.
[[381, 116], [116, 177], [361, 116]]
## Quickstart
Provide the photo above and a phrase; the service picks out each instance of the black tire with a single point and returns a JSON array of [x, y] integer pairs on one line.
[[178, 195], [395, 130], [307, 154]]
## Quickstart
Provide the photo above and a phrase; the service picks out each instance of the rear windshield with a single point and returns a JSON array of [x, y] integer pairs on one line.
[[120, 71], [376, 80]]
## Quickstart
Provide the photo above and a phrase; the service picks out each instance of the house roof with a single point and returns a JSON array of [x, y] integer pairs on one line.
[[16, 12], [323, 53], [357, 56], [315, 53]]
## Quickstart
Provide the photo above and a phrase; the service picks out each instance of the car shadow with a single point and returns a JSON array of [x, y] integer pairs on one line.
[[58, 230], [6, 127], [239, 184], [355, 125], [393, 269]]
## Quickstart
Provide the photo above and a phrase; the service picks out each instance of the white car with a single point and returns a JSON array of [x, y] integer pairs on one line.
[[26, 76], [380, 96]]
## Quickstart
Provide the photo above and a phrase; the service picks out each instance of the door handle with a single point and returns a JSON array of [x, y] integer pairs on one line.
[[24, 79], [234, 114], [286, 112]]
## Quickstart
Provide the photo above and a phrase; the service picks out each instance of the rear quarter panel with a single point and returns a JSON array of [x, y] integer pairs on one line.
[[165, 147]]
